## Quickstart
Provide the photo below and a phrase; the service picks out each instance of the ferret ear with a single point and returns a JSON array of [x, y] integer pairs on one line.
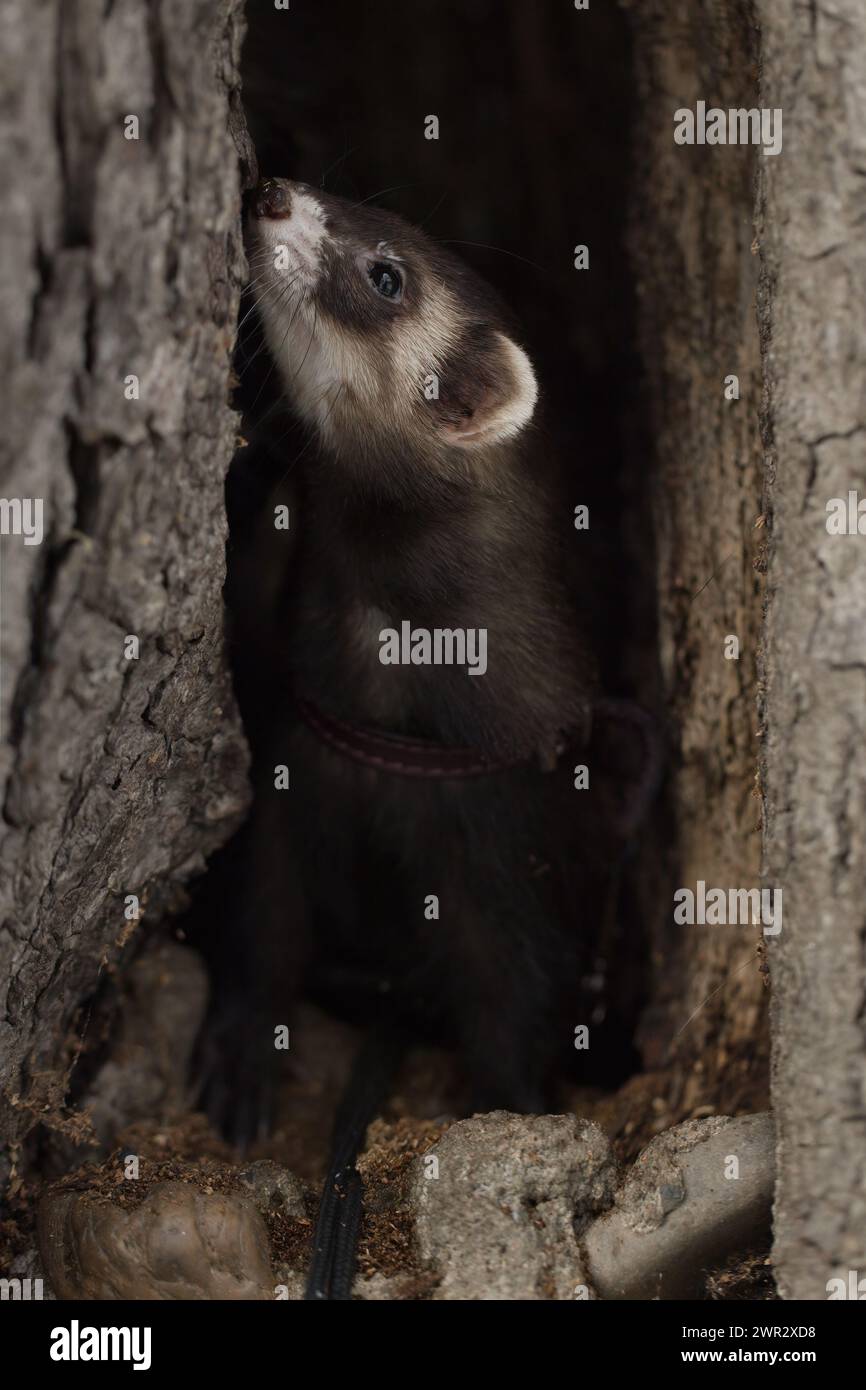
[[488, 391]]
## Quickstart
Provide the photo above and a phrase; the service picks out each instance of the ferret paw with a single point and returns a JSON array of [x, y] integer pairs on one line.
[[235, 1074]]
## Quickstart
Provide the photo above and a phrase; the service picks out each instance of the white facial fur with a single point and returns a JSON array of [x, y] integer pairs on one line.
[[330, 372], [286, 263]]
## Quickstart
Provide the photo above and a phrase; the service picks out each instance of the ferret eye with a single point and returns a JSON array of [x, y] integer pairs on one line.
[[387, 280]]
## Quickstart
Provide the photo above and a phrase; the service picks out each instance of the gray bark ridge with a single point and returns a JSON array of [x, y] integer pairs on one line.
[[121, 257], [812, 207]]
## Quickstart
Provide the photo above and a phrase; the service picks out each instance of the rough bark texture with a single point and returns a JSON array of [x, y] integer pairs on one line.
[[692, 246], [119, 257], [813, 207]]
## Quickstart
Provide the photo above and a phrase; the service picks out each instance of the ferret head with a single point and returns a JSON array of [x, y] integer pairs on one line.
[[382, 338]]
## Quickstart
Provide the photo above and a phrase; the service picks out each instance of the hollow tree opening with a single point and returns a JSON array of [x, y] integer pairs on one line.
[[512, 181]]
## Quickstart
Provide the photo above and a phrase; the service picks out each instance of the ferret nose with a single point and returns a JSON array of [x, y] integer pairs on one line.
[[272, 198]]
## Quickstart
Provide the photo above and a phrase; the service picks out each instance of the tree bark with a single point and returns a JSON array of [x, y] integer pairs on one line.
[[120, 257], [814, 336], [696, 272], [801, 662]]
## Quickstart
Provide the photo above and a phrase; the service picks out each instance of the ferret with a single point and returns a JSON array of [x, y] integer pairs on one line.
[[465, 906]]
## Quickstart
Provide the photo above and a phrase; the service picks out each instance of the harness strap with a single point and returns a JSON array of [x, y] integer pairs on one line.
[[418, 757], [407, 757]]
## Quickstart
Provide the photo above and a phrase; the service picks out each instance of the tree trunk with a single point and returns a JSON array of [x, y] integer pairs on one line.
[[814, 332], [121, 258], [692, 244], [729, 506]]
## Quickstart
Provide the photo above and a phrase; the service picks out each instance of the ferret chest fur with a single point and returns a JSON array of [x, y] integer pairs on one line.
[[464, 561]]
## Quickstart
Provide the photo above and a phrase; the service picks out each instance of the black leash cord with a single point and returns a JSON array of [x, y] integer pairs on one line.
[[335, 1240]]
